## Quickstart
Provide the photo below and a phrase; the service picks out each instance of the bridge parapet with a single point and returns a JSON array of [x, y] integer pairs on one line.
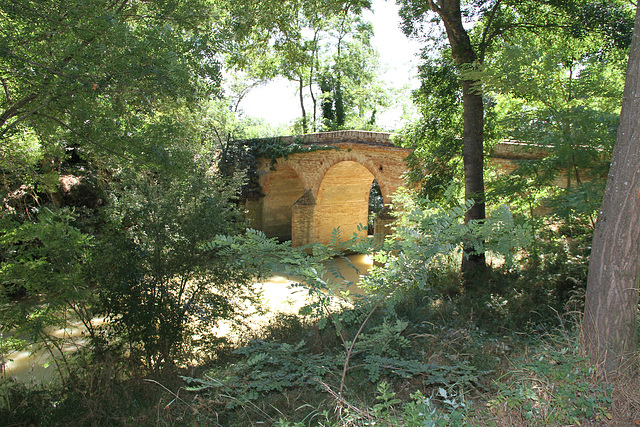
[[517, 150], [505, 149], [351, 136]]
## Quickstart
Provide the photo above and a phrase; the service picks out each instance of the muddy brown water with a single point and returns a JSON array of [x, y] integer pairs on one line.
[[35, 365]]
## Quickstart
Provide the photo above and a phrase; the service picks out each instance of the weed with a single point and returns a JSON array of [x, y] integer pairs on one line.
[[553, 386]]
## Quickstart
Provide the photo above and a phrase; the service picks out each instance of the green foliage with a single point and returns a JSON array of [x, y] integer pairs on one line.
[[436, 137], [441, 409], [101, 81], [162, 290], [45, 260], [267, 367], [526, 190], [93, 72], [386, 401], [44, 257], [350, 74], [426, 233], [425, 343], [274, 148], [579, 205], [553, 386], [385, 339], [562, 94], [316, 44], [551, 74], [96, 397], [370, 353], [266, 256], [264, 367]]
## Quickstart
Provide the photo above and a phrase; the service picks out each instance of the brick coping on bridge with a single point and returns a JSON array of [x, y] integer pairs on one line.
[[351, 136]]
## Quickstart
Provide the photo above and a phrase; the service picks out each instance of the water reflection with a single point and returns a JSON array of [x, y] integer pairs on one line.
[[351, 268], [281, 295], [34, 364]]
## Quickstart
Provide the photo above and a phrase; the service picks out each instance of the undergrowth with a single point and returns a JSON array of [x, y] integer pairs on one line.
[[419, 370], [426, 355], [542, 380]]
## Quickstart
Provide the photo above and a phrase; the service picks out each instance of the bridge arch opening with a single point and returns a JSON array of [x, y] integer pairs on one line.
[[282, 188], [376, 204], [343, 201]]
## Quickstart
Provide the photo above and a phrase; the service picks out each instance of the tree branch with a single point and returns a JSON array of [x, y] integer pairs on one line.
[[14, 110], [435, 7], [6, 90], [485, 32], [84, 137]]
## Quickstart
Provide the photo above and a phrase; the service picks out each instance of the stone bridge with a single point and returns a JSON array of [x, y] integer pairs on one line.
[[308, 195]]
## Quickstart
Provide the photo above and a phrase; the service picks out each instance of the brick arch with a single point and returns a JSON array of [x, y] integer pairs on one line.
[[364, 161], [343, 201], [370, 153], [301, 169], [281, 191]]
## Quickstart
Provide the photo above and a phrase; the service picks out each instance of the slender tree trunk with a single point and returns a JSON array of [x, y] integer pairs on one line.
[[305, 127], [314, 61], [339, 105], [610, 319], [473, 264], [464, 54], [314, 103], [338, 100]]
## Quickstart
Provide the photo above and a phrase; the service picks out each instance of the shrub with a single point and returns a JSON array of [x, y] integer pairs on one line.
[[162, 290]]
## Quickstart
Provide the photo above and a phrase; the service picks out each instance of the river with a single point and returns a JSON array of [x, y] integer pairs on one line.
[[278, 295]]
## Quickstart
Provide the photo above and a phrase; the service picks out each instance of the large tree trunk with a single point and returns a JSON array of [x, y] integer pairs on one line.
[[610, 319], [464, 54]]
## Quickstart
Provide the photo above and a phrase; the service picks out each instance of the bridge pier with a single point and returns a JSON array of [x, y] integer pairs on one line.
[[382, 225], [302, 220]]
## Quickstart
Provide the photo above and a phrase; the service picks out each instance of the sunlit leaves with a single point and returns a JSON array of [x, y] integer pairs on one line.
[[563, 93], [90, 73], [427, 233], [159, 283]]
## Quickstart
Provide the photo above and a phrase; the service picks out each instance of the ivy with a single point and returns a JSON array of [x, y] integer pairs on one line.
[[241, 156]]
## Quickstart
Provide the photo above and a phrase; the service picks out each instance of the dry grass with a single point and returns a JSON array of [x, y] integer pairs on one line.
[[625, 410]]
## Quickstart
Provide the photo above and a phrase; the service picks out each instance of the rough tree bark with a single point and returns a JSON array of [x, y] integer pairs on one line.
[[610, 317]]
